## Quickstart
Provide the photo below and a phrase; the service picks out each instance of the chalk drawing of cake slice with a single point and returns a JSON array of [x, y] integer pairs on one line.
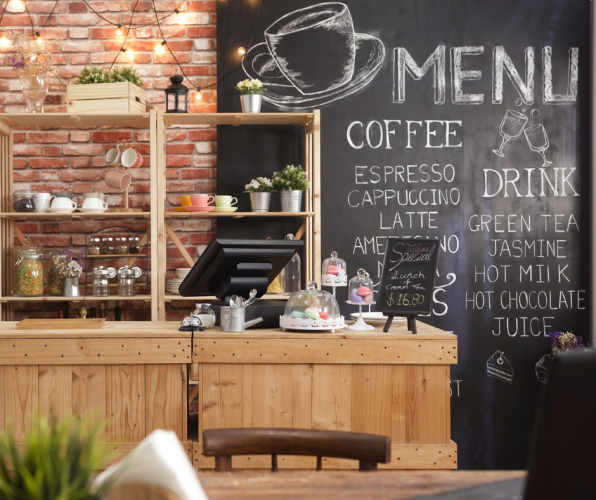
[[499, 367], [543, 368]]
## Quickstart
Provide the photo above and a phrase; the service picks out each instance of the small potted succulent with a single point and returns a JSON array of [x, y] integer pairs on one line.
[[291, 181], [260, 190], [251, 95]]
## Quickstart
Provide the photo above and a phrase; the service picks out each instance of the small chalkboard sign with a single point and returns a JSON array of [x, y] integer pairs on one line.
[[408, 279]]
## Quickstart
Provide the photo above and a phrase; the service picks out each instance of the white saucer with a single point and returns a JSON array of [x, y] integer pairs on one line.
[[93, 210], [61, 210], [374, 317], [225, 209]]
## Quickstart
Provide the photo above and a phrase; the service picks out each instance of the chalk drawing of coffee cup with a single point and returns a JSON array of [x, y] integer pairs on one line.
[[313, 56]]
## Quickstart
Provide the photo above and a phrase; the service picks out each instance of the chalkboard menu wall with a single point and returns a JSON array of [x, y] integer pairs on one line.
[[465, 121]]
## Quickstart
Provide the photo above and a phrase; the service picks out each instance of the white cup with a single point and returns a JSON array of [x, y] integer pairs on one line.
[[113, 156], [224, 201], [63, 203], [101, 196], [42, 202], [94, 203]]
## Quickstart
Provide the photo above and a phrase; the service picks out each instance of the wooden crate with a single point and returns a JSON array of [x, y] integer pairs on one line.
[[394, 384], [120, 97]]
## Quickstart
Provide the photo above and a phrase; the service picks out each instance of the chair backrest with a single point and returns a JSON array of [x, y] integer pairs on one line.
[[369, 449], [139, 491]]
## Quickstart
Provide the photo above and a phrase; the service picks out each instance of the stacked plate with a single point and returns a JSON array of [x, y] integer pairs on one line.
[[181, 272], [172, 286]]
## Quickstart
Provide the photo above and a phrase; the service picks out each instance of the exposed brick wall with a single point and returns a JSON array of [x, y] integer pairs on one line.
[[73, 160]]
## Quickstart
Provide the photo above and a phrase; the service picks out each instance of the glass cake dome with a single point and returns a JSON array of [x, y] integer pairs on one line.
[[361, 288], [312, 309], [334, 272]]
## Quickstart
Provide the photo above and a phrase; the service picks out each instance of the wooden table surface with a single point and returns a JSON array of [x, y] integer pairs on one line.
[[351, 485]]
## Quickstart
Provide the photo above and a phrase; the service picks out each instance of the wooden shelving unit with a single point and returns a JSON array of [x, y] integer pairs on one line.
[[157, 122]]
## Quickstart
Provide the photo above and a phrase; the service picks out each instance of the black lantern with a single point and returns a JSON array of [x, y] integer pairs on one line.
[[176, 96]]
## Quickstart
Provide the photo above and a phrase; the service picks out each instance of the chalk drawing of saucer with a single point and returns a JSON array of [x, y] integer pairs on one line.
[[259, 63]]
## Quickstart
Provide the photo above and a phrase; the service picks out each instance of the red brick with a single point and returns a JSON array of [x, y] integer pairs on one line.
[[172, 173], [27, 176], [51, 241], [169, 59], [89, 149], [180, 46], [180, 149], [50, 175], [82, 187], [178, 161], [69, 72], [77, 7], [190, 225], [134, 45], [112, 136], [80, 162], [80, 175], [26, 150], [110, 6], [77, 20], [79, 136], [46, 7], [107, 32], [48, 21], [18, 137], [48, 162], [201, 6], [53, 99], [19, 163], [48, 137], [79, 46], [197, 173], [202, 135], [184, 187], [16, 21], [170, 32], [201, 32], [52, 151], [174, 253], [50, 227], [81, 226], [28, 227], [202, 238], [188, 70]]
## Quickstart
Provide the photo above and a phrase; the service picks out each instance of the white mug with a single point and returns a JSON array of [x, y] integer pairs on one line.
[[42, 202], [101, 196], [113, 156], [94, 203], [63, 203], [224, 201]]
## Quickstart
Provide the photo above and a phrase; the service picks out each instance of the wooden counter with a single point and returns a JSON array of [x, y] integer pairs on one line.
[[395, 384], [133, 374]]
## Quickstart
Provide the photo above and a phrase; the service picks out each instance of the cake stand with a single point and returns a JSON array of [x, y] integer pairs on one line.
[[360, 325]]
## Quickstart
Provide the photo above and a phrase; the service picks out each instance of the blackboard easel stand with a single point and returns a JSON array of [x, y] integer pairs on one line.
[[411, 322]]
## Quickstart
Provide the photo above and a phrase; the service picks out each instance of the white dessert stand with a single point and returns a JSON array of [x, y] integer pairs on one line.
[[360, 325]]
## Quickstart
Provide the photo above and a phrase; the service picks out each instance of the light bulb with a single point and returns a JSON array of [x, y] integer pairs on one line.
[[4, 42], [38, 38], [160, 48], [33, 57], [130, 54], [199, 95], [119, 31], [16, 4], [241, 51]]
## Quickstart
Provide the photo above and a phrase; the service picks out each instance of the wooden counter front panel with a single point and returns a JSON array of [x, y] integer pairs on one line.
[[133, 400], [410, 403]]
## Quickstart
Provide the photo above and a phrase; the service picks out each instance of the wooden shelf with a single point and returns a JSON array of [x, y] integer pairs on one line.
[[116, 255], [74, 215], [236, 215], [237, 119], [269, 296], [58, 120], [84, 298]]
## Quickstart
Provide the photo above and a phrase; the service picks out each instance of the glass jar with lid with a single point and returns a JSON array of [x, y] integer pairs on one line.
[[291, 273], [94, 246], [107, 246], [121, 246], [134, 244], [126, 280], [361, 288], [58, 262], [101, 280], [29, 273], [312, 309], [205, 314], [334, 271], [24, 200]]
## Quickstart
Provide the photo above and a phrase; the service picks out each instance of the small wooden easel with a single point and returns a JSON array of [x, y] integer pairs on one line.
[[411, 322]]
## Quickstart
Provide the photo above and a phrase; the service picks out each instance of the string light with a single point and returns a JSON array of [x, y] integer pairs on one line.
[[16, 4], [199, 94], [119, 30], [160, 48], [33, 57], [241, 51], [38, 38], [4, 42]]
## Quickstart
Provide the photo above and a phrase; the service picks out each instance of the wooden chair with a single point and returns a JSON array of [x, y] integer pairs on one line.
[[369, 449], [139, 491]]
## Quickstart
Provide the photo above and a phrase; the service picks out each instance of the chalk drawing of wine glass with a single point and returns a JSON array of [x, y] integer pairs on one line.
[[511, 128], [538, 141]]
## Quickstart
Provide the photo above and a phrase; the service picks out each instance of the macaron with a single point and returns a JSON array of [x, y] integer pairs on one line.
[[323, 315], [297, 314], [363, 291], [333, 270], [354, 297], [311, 315], [368, 298]]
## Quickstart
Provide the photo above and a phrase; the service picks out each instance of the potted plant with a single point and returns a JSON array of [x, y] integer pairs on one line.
[[33, 61], [260, 190], [251, 95], [57, 460], [291, 181], [116, 90], [71, 269]]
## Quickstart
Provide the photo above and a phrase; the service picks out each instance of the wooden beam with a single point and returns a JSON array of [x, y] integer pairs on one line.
[[179, 246], [300, 231], [142, 243]]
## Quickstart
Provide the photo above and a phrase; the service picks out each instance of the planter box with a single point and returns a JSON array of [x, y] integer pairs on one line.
[[120, 97]]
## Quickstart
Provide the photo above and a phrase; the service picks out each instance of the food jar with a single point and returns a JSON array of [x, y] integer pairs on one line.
[[56, 276], [312, 309], [134, 244], [24, 200], [205, 314], [121, 246], [94, 246], [361, 288], [29, 273], [334, 272], [107, 246], [126, 280], [101, 280]]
